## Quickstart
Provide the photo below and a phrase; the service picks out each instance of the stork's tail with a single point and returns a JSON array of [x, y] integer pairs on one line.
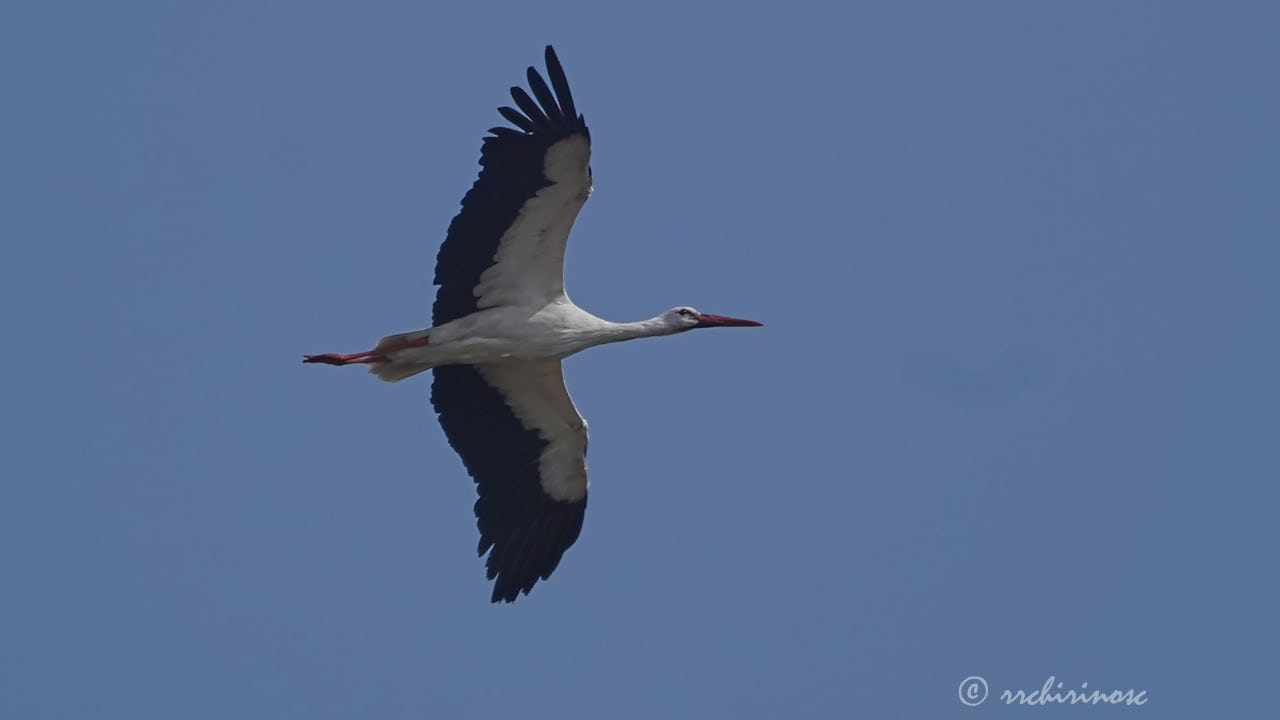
[[394, 369]]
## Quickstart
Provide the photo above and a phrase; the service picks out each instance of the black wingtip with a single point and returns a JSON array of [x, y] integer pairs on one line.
[[531, 110], [506, 596], [549, 107], [514, 117], [555, 73]]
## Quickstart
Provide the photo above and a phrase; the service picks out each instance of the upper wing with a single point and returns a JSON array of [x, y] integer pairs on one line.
[[524, 443], [506, 246]]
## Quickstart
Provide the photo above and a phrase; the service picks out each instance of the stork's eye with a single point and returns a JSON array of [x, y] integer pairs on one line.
[[685, 312]]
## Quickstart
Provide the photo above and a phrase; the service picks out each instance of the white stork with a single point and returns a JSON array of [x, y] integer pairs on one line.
[[500, 326]]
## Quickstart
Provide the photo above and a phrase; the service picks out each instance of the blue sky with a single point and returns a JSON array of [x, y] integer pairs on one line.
[[1013, 414]]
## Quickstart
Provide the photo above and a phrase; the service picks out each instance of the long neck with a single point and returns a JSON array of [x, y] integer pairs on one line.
[[611, 332]]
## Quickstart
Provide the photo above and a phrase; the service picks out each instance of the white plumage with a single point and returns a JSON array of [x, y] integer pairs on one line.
[[501, 324]]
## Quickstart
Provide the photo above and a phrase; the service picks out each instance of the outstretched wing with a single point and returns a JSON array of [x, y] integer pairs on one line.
[[524, 443], [506, 246]]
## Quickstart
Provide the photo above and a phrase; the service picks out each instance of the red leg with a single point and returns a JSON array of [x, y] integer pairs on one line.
[[336, 359], [368, 356]]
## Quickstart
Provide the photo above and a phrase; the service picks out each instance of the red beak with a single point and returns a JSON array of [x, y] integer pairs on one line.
[[707, 320]]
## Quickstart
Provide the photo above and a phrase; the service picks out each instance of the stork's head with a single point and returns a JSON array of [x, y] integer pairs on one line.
[[686, 318]]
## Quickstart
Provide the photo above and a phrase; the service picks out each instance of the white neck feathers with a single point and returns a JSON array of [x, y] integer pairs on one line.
[[611, 332]]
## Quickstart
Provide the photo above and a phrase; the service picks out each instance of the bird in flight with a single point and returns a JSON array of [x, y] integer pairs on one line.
[[500, 326]]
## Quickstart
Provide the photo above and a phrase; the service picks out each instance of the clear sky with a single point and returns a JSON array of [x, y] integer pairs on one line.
[[1014, 412]]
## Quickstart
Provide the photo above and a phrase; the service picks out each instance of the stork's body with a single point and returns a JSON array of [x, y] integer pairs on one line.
[[503, 322], [552, 332]]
